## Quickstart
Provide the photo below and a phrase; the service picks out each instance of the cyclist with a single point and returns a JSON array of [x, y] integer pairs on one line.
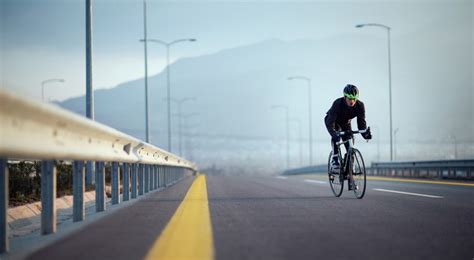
[[339, 117]]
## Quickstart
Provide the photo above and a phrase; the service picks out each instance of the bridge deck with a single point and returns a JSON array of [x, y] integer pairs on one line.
[[294, 218]]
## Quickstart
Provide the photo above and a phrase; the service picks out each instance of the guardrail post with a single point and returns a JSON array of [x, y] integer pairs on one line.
[[126, 181], [147, 178], [140, 179], [90, 180], [166, 175], [170, 176], [159, 176], [161, 173], [155, 184], [4, 243], [48, 197], [175, 174], [134, 180], [78, 188], [152, 179], [156, 177], [170, 181], [163, 176], [115, 183], [99, 187]]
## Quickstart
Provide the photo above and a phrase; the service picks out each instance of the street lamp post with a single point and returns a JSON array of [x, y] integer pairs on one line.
[[90, 165], [287, 133], [310, 119], [377, 136], [389, 78], [455, 143], [300, 138], [44, 82], [180, 116], [395, 132], [185, 117], [145, 44], [189, 147], [168, 45]]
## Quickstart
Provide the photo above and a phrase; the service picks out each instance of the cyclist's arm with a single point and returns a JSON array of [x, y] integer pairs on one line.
[[361, 124]]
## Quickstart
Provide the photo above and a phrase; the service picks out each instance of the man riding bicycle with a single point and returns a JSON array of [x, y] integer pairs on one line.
[[339, 117]]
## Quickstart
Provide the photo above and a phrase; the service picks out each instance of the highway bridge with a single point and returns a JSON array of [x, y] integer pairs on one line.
[[172, 211], [297, 217]]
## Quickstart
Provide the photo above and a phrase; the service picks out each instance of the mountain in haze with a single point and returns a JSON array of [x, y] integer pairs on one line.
[[235, 88]]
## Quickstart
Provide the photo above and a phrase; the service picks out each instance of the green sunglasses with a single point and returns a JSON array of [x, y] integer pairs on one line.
[[352, 97]]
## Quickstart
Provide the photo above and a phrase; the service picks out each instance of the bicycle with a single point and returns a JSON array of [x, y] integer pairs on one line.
[[352, 170]]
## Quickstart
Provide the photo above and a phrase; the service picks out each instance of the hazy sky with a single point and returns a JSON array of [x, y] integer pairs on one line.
[[42, 39]]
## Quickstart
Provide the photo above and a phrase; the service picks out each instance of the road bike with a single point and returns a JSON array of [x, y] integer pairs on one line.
[[352, 167]]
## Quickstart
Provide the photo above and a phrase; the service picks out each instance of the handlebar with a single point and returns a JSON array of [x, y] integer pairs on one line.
[[341, 133]]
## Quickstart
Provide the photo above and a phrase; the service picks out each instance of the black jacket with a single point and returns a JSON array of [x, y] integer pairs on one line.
[[340, 114]]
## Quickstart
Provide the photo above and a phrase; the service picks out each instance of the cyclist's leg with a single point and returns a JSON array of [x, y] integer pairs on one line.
[[346, 127], [335, 162]]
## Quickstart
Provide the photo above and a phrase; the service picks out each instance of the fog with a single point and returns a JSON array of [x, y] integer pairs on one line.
[[239, 67]]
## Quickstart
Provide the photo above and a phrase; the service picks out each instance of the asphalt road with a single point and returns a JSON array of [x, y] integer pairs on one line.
[[293, 218]]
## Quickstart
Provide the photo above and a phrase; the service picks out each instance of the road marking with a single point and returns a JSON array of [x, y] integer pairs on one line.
[[410, 193], [419, 181], [188, 235], [282, 177], [314, 181]]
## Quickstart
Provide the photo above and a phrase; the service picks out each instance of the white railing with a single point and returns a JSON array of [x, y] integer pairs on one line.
[[38, 131]]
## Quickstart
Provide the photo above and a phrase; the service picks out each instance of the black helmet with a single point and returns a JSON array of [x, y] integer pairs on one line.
[[351, 92]]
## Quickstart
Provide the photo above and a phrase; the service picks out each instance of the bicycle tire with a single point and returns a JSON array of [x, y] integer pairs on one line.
[[359, 178], [337, 183]]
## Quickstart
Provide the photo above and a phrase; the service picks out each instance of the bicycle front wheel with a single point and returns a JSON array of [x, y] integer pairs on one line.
[[358, 174], [336, 181]]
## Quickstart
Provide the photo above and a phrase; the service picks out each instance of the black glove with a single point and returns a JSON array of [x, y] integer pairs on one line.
[[367, 135]]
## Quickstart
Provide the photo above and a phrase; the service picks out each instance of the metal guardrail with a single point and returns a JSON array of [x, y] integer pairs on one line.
[[445, 169], [442, 169], [37, 131]]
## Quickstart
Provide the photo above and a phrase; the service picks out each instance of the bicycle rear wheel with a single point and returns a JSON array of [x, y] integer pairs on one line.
[[336, 181], [358, 174]]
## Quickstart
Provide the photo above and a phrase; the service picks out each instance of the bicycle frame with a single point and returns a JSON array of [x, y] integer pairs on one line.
[[345, 166]]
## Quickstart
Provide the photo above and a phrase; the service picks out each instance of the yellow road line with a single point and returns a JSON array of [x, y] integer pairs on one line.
[[378, 178], [188, 235]]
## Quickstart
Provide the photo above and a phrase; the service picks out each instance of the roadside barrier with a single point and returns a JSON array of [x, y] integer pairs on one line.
[[32, 130]]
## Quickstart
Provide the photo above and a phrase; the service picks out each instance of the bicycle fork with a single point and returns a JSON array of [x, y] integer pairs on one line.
[[349, 170]]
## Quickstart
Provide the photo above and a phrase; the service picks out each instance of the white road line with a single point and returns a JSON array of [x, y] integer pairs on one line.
[[410, 193], [314, 181], [282, 177]]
